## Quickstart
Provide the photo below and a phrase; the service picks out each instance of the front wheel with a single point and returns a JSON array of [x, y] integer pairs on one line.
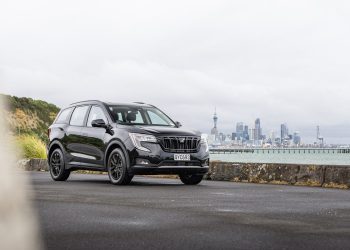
[[57, 166], [193, 179], [117, 170]]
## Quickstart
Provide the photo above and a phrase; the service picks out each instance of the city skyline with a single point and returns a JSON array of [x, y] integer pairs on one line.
[[245, 132]]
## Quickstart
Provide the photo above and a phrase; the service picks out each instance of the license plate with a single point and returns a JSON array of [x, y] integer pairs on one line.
[[182, 157]]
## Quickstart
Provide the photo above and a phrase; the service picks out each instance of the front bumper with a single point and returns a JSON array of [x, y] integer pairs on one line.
[[145, 170], [161, 162]]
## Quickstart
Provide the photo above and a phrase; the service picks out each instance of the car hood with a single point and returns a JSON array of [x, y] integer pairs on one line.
[[169, 131]]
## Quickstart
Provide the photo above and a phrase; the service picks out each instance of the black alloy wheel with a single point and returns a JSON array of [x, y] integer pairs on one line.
[[57, 166], [117, 168]]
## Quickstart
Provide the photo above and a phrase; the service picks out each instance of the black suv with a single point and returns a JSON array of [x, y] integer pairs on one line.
[[124, 140]]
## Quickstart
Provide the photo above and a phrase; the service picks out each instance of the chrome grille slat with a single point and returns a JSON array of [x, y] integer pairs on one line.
[[174, 144]]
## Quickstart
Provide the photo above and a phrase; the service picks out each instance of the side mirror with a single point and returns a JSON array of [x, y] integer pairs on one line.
[[178, 124], [99, 123]]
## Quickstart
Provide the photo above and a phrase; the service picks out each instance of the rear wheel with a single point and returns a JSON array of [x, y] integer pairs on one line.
[[193, 179], [117, 168], [57, 166]]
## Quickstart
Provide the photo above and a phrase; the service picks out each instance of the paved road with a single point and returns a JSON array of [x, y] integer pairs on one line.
[[86, 212]]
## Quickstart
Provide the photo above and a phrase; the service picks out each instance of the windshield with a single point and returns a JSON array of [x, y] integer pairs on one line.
[[133, 115]]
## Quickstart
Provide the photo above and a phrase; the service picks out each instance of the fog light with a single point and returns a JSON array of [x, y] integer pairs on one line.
[[206, 162], [140, 161]]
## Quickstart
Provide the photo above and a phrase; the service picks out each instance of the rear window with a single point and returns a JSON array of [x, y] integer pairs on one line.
[[63, 117], [78, 116]]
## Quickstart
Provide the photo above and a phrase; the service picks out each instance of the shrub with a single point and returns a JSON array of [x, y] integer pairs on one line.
[[31, 146]]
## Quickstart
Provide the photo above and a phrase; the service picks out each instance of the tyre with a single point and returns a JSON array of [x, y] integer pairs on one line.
[[193, 179], [57, 166], [117, 168]]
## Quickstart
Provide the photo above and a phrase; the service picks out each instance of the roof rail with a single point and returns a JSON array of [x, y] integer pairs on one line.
[[85, 101]]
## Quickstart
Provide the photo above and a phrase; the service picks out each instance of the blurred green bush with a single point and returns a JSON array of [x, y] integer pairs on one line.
[[31, 146]]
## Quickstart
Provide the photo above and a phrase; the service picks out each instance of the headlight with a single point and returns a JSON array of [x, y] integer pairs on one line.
[[204, 142], [138, 138]]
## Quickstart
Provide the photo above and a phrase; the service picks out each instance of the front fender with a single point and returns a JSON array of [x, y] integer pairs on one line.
[[119, 144]]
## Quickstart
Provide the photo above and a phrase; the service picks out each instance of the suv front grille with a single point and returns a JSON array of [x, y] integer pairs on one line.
[[179, 144]]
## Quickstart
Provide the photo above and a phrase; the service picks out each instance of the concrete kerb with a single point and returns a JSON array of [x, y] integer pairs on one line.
[[292, 174]]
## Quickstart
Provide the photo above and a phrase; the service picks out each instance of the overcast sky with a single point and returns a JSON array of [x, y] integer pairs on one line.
[[281, 61]]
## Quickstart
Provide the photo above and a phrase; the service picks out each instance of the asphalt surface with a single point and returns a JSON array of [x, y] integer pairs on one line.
[[87, 212]]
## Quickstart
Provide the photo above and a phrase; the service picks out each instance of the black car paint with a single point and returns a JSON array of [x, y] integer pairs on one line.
[[88, 147]]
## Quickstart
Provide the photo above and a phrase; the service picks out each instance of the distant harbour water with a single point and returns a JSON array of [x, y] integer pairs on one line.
[[287, 156]]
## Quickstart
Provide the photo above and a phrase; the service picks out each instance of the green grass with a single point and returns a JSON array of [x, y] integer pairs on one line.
[[31, 146]]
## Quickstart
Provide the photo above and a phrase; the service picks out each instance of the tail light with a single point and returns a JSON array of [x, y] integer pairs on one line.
[[48, 132]]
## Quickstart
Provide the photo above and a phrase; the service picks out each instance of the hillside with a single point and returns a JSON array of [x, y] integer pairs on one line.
[[29, 116]]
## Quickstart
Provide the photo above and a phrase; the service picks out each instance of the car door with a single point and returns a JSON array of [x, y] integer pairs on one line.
[[95, 138], [74, 137]]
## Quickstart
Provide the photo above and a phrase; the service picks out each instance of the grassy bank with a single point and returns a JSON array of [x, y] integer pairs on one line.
[[26, 116], [31, 147]]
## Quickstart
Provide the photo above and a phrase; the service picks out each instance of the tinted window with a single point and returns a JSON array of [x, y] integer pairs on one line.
[[64, 116], [96, 113], [134, 115], [138, 117], [78, 116], [157, 118]]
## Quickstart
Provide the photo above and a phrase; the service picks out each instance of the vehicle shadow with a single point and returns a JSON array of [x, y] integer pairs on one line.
[[148, 183], [139, 181]]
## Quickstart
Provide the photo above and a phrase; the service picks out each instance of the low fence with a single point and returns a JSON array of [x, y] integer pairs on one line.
[[293, 174], [282, 150]]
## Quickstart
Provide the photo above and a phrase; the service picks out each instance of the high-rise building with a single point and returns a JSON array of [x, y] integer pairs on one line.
[[222, 137], [246, 133], [272, 137], [239, 130], [251, 134], [233, 136], [296, 138], [257, 133], [284, 132]]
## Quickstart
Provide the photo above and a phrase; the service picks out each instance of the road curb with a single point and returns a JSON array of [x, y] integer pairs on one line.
[[293, 174]]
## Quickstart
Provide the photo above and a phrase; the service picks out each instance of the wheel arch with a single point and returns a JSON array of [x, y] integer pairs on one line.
[[55, 145], [113, 145]]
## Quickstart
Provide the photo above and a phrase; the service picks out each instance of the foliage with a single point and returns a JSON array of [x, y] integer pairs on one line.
[[27, 116], [31, 146]]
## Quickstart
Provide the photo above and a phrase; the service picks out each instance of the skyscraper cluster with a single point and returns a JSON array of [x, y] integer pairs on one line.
[[254, 136], [245, 136]]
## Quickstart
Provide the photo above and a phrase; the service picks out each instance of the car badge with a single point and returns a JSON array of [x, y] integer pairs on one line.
[[182, 140]]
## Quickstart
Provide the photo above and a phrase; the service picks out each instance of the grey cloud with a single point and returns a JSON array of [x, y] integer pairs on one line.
[[277, 60]]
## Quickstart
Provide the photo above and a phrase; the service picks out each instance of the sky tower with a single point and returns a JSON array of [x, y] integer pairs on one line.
[[319, 138], [214, 131], [215, 118]]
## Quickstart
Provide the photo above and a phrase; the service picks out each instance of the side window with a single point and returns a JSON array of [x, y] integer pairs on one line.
[[64, 116], [156, 119], [96, 113], [78, 116]]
